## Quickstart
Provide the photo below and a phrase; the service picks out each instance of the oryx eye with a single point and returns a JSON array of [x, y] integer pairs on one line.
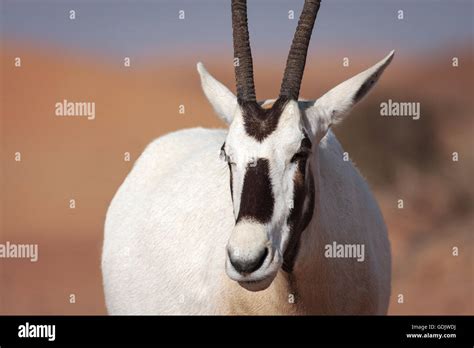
[[303, 152], [223, 155], [300, 155]]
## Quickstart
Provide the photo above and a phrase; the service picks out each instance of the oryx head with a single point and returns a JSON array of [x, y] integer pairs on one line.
[[268, 150]]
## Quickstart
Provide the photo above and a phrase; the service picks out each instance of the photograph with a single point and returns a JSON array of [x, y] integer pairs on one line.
[[233, 163]]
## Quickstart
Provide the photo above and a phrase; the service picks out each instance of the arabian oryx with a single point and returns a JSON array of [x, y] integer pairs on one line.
[[239, 221]]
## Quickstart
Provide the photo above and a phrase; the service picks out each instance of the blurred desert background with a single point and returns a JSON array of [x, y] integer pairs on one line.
[[65, 158]]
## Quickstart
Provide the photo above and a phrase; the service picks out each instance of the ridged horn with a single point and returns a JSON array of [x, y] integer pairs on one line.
[[244, 68], [291, 83]]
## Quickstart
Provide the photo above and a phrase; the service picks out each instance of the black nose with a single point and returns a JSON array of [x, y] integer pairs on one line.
[[248, 265]]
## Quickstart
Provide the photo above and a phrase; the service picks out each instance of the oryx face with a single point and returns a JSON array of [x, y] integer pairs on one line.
[[270, 151], [267, 150]]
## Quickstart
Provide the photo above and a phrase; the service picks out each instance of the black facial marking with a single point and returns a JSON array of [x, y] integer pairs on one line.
[[257, 198], [261, 122], [299, 217]]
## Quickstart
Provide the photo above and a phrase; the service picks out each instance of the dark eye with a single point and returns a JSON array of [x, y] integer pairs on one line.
[[223, 156], [300, 155]]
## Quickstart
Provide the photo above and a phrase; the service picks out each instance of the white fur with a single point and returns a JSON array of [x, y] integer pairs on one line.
[[222, 100], [335, 104], [169, 224]]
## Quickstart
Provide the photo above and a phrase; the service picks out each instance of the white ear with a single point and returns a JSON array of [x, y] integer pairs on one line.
[[222, 100], [335, 104]]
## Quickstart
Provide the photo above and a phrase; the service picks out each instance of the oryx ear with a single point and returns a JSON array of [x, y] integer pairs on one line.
[[335, 104], [222, 100]]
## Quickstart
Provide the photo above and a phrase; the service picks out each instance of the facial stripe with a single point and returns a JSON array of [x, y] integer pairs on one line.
[[260, 122], [257, 198], [299, 217]]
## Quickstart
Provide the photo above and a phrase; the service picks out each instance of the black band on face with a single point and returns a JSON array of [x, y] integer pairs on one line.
[[259, 122], [299, 218], [257, 198]]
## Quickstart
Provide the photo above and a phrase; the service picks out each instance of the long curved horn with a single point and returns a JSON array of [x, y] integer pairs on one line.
[[244, 66], [290, 86]]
